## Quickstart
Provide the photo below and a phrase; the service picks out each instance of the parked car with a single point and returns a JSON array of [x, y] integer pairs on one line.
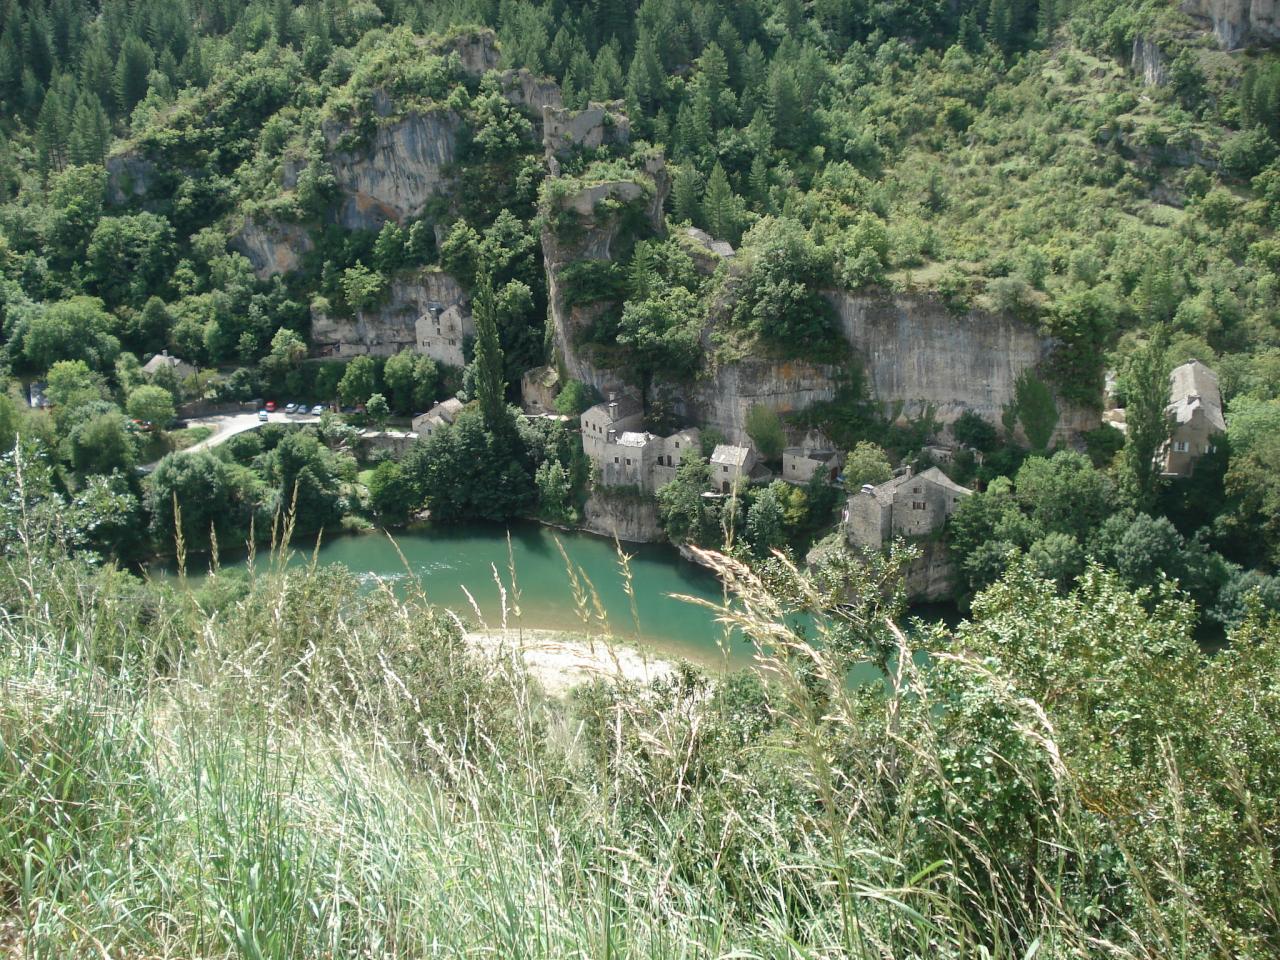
[[271, 406], [317, 410], [290, 408], [263, 416]]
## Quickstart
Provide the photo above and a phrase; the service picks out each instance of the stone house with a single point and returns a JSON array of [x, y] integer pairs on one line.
[[644, 460], [394, 443], [912, 505], [425, 424], [800, 464], [671, 452], [731, 464], [439, 332], [538, 390], [164, 361], [1195, 418], [605, 422]]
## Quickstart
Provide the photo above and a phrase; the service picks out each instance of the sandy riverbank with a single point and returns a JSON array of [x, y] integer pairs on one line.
[[561, 661]]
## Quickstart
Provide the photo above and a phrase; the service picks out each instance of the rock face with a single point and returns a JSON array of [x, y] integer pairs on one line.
[[129, 176], [564, 131], [394, 176], [597, 226], [429, 313], [722, 400], [916, 354], [273, 248], [1236, 23], [1148, 62], [625, 517]]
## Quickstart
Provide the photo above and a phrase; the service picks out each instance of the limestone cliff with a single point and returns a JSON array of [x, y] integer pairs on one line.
[[722, 399], [1236, 23], [428, 312], [129, 176], [626, 517], [1148, 62], [394, 174], [586, 222], [272, 247]]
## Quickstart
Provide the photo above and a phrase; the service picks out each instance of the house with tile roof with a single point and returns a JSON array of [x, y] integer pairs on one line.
[[425, 424], [1195, 418], [911, 505]]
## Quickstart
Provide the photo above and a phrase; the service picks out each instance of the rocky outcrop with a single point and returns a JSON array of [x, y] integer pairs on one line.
[[529, 90], [580, 225], [129, 176], [394, 176], [476, 49], [1148, 62], [429, 313], [272, 247], [1236, 23], [917, 355], [627, 517], [564, 131], [722, 399]]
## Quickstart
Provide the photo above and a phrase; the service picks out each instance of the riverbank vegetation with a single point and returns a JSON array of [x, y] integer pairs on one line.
[[280, 764]]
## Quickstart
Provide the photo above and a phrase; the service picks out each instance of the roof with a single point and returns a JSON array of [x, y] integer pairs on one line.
[[632, 439], [885, 491], [726, 453], [615, 410], [162, 360], [820, 456], [449, 409], [1192, 387]]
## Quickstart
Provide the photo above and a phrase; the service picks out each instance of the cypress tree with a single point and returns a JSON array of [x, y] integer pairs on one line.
[[489, 385]]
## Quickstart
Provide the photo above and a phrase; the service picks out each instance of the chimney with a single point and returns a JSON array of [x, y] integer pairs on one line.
[[612, 436], [164, 352], [868, 488]]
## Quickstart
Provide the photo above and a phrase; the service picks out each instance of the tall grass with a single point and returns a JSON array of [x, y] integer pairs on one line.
[[286, 767]]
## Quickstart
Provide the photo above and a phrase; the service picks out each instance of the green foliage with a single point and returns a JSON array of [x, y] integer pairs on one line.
[[574, 398], [1036, 410], [75, 329], [359, 381], [780, 301], [764, 427], [465, 472], [412, 381], [362, 288], [661, 334], [1147, 395], [686, 515], [866, 464], [151, 404]]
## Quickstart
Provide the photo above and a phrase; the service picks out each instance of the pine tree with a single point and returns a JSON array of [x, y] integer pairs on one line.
[[490, 390], [53, 127], [97, 72], [90, 131], [10, 66], [686, 195], [132, 69], [759, 181], [784, 106], [720, 208], [606, 82]]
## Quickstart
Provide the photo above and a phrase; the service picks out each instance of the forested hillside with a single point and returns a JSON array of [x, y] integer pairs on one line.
[[967, 246]]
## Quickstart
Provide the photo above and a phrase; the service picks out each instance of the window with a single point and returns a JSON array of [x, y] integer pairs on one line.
[[724, 469], [1180, 446], [919, 505], [615, 459], [628, 461], [677, 444]]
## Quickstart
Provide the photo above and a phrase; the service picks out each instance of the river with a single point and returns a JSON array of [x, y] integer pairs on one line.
[[452, 562]]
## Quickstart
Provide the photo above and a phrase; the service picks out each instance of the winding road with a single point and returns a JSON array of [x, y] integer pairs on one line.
[[228, 425]]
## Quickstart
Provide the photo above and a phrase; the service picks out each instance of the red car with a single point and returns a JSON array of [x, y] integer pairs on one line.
[[271, 406]]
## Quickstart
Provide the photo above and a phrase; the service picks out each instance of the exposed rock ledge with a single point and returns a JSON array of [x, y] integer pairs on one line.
[[272, 247], [1238, 22]]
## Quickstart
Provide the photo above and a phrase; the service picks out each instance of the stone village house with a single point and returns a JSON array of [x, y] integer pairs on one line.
[[1195, 418], [425, 424], [628, 456], [800, 464], [912, 505], [730, 465]]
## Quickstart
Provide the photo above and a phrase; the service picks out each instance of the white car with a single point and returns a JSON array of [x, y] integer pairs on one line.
[[290, 409], [263, 416], [317, 410]]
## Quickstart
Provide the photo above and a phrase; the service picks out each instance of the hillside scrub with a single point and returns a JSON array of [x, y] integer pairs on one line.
[[277, 763]]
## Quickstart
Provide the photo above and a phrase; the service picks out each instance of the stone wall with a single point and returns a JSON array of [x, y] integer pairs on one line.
[[634, 519]]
